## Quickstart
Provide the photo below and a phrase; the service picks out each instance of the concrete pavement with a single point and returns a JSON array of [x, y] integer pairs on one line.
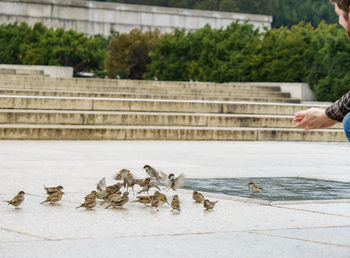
[[237, 227]]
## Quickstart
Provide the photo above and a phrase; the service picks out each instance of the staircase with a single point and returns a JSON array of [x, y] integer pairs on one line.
[[37, 107]]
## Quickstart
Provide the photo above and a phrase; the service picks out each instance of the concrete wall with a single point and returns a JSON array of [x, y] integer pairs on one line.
[[51, 71], [99, 18]]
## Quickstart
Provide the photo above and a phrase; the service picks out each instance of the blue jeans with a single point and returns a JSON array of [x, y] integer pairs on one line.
[[346, 125]]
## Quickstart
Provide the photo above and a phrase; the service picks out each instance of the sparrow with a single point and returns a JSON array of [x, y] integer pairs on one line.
[[88, 204], [50, 190], [161, 197], [144, 199], [112, 197], [128, 179], [152, 172], [53, 197], [113, 188], [146, 185], [101, 189], [91, 195], [119, 202], [173, 182], [104, 191], [17, 200], [101, 185], [253, 188], [175, 203], [123, 174], [198, 197], [155, 202], [208, 204]]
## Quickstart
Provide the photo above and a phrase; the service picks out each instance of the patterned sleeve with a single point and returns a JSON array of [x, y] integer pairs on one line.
[[340, 108]]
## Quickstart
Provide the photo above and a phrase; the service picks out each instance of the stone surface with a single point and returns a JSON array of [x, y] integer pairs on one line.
[[100, 18], [237, 227], [42, 108]]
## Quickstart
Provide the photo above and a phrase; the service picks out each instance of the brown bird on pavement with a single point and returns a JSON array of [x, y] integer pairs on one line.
[[51, 190], [53, 197], [90, 202], [175, 203], [161, 197], [209, 205], [155, 202], [198, 197], [147, 185], [119, 202], [144, 199], [17, 200]]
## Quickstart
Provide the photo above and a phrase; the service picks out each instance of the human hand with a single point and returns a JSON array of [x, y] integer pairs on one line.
[[312, 118]]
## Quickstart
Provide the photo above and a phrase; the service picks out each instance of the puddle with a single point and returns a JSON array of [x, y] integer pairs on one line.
[[275, 188]]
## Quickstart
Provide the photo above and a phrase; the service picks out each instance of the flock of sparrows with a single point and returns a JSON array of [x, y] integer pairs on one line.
[[113, 197]]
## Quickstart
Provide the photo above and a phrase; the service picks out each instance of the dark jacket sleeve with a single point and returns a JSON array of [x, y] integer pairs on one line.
[[340, 108]]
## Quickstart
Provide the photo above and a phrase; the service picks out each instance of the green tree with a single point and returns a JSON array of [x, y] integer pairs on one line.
[[128, 54], [21, 44], [12, 36], [288, 13]]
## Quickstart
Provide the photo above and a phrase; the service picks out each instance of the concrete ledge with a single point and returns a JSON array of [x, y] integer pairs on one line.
[[61, 132], [297, 90], [196, 106], [10, 116], [61, 93], [93, 18], [52, 71]]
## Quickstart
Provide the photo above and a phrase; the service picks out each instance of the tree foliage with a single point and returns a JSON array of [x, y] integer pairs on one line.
[[291, 12], [320, 57], [38, 45], [128, 54]]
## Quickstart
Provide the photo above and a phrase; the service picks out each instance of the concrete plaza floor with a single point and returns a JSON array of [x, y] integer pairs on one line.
[[237, 227]]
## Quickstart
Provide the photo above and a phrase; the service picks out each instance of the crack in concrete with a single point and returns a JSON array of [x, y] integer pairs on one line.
[[256, 231], [301, 239], [24, 233], [318, 212]]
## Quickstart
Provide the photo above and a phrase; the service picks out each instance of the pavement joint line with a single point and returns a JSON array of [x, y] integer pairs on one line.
[[296, 228], [257, 231], [24, 233], [301, 239], [20, 241], [318, 212]]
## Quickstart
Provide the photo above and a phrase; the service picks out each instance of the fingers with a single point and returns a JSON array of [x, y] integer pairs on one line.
[[300, 114], [305, 123], [299, 117]]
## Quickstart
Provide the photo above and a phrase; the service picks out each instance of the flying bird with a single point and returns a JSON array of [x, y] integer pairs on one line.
[[173, 182], [50, 190], [152, 172]]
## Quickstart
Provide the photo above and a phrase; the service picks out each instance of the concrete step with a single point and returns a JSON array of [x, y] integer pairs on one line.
[[65, 132], [115, 104], [149, 89], [133, 83], [94, 94], [21, 72], [10, 116]]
